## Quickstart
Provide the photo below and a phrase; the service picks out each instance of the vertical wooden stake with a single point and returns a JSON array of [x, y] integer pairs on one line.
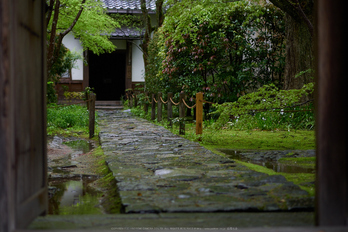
[[135, 100], [170, 109], [146, 106], [199, 113], [159, 107], [153, 108], [92, 115], [182, 114], [87, 102], [131, 100]]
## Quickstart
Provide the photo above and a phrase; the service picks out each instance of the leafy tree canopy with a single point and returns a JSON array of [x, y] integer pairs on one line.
[[221, 48], [93, 27]]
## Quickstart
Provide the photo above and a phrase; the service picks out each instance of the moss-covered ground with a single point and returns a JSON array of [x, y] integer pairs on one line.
[[252, 139], [262, 140]]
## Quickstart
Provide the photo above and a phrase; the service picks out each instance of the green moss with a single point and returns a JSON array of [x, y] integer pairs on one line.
[[307, 162], [301, 179], [254, 139]]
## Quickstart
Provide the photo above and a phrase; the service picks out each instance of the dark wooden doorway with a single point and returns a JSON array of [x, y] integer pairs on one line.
[[107, 74]]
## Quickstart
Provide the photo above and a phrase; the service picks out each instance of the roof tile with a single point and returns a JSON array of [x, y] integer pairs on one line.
[[128, 4]]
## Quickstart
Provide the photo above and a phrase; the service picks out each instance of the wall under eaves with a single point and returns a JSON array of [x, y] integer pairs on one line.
[[138, 69], [75, 45]]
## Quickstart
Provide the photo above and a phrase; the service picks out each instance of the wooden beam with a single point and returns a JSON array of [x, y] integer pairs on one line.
[[331, 118]]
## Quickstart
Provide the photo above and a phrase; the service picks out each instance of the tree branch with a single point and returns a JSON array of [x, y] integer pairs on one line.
[[74, 22], [53, 36], [287, 7], [49, 12], [304, 17]]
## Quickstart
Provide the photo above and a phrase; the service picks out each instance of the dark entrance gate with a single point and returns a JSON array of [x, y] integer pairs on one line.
[[107, 73]]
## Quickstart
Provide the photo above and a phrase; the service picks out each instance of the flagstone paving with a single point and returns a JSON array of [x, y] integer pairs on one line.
[[159, 172]]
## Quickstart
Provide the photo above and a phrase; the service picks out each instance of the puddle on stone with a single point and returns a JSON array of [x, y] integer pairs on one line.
[[80, 147], [73, 196], [275, 166], [162, 172]]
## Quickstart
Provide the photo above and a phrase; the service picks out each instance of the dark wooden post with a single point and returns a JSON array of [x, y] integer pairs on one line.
[[199, 113], [92, 115], [331, 119], [87, 98], [131, 100], [170, 109], [135, 99], [159, 107], [182, 114], [153, 107], [146, 105]]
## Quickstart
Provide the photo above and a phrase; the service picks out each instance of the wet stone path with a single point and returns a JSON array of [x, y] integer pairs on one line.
[[157, 171]]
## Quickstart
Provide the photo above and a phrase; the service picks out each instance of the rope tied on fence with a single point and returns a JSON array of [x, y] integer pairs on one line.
[[174, 102], [204, 101], [148, 99], [190, 107], [163, 101]]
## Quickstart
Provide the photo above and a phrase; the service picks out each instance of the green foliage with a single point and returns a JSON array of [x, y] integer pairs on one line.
[[93, 27], [266, 109], [74, 95], [65, 61], [221, 49], [63, 117], [133, 21], [51, 93]]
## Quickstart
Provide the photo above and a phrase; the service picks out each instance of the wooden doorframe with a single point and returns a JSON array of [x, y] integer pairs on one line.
[[331, 118]]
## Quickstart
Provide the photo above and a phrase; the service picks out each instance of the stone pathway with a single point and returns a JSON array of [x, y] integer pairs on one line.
[[158, 172]]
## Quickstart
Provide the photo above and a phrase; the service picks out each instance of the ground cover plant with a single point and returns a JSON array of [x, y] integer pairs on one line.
[[67, 119]]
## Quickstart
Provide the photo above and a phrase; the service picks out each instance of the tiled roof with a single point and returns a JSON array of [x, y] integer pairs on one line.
[[124, 32], [128, 6]]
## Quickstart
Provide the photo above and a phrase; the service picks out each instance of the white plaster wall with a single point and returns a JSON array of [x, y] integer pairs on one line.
[[138, 69], [75, 45]]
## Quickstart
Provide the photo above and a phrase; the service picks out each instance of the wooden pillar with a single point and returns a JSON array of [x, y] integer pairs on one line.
[[199, 113], [153, 107], [146, 105], [182, 114], [170, 109], [331, 118], [91, 115], [159, 107]]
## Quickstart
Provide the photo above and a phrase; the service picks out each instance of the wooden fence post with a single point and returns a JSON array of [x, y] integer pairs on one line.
[[181, 114], [153, 107], [159, 107], [170, 108], [92, 115], [130, 100], [87, 98], [135, 99], [146, 106], [199, 113]]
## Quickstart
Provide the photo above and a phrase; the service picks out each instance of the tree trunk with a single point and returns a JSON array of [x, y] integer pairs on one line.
[[299, 54]]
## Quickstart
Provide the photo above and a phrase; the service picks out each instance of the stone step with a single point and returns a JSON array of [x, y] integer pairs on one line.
[[108, 103]]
